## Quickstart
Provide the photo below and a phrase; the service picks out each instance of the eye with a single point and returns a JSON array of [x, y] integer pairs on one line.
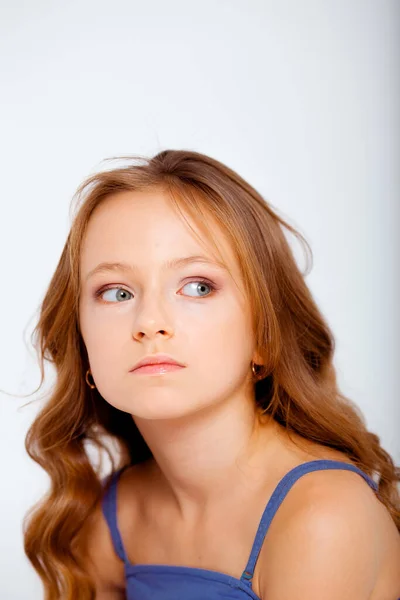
[[201, 286], [120, 296]]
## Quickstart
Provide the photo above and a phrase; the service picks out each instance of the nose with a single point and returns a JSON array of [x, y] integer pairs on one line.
[[151, 322], [151, 332]]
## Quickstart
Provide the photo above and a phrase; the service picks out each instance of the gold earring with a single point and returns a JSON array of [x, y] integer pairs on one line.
[[91, 385], [253, 369]]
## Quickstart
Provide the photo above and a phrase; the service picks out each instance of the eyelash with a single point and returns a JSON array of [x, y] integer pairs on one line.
[[200, 280]]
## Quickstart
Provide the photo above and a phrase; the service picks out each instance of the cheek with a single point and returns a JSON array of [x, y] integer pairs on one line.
[[222, 339], [102, 336]]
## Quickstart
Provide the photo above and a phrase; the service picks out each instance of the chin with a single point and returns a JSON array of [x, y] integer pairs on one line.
[[165, 409]]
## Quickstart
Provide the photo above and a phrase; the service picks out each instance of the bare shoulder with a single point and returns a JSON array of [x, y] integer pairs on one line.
[[331, 533], [94, 548], [95, 553]]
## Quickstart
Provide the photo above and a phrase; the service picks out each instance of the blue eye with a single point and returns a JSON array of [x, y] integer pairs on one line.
[[200, 285], [121, 294]]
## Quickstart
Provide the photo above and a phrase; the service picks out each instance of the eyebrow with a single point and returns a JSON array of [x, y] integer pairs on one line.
[[175, 263]]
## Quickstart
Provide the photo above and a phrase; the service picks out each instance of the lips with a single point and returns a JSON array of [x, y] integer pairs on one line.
[[158, 369], [157, 359]]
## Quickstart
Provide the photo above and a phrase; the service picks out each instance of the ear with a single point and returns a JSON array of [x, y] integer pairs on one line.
[[257, 359]]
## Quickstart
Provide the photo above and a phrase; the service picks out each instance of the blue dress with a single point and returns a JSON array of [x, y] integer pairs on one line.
[[170, 582]]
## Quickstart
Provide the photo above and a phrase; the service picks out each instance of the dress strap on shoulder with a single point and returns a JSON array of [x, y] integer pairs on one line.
[[280, 493], [109, 508]]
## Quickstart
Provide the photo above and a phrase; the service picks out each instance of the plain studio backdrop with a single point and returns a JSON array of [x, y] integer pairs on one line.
[[301, 98]]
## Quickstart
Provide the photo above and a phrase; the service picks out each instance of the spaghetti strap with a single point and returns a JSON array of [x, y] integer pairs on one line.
[[278, 496], [109, 508]]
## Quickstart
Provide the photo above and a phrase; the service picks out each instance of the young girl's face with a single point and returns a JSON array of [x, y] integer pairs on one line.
[[195, 311]]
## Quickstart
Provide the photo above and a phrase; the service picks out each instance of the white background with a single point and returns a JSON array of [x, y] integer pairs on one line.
[[301, 98]]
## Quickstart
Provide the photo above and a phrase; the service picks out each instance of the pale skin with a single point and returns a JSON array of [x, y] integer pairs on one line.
[[216, 462]]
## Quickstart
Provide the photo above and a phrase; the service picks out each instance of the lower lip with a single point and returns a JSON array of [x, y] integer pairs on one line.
[[157, 369]]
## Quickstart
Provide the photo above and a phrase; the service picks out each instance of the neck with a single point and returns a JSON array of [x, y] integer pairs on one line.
[[217, 451]]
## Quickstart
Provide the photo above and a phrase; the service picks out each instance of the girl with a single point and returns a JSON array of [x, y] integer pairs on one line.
[[181, 329]]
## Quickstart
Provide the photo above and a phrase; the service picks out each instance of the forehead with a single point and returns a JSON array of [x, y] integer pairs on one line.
[[144, 227]]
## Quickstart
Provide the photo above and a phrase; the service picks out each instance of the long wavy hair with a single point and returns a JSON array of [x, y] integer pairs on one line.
[[296, 384]]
